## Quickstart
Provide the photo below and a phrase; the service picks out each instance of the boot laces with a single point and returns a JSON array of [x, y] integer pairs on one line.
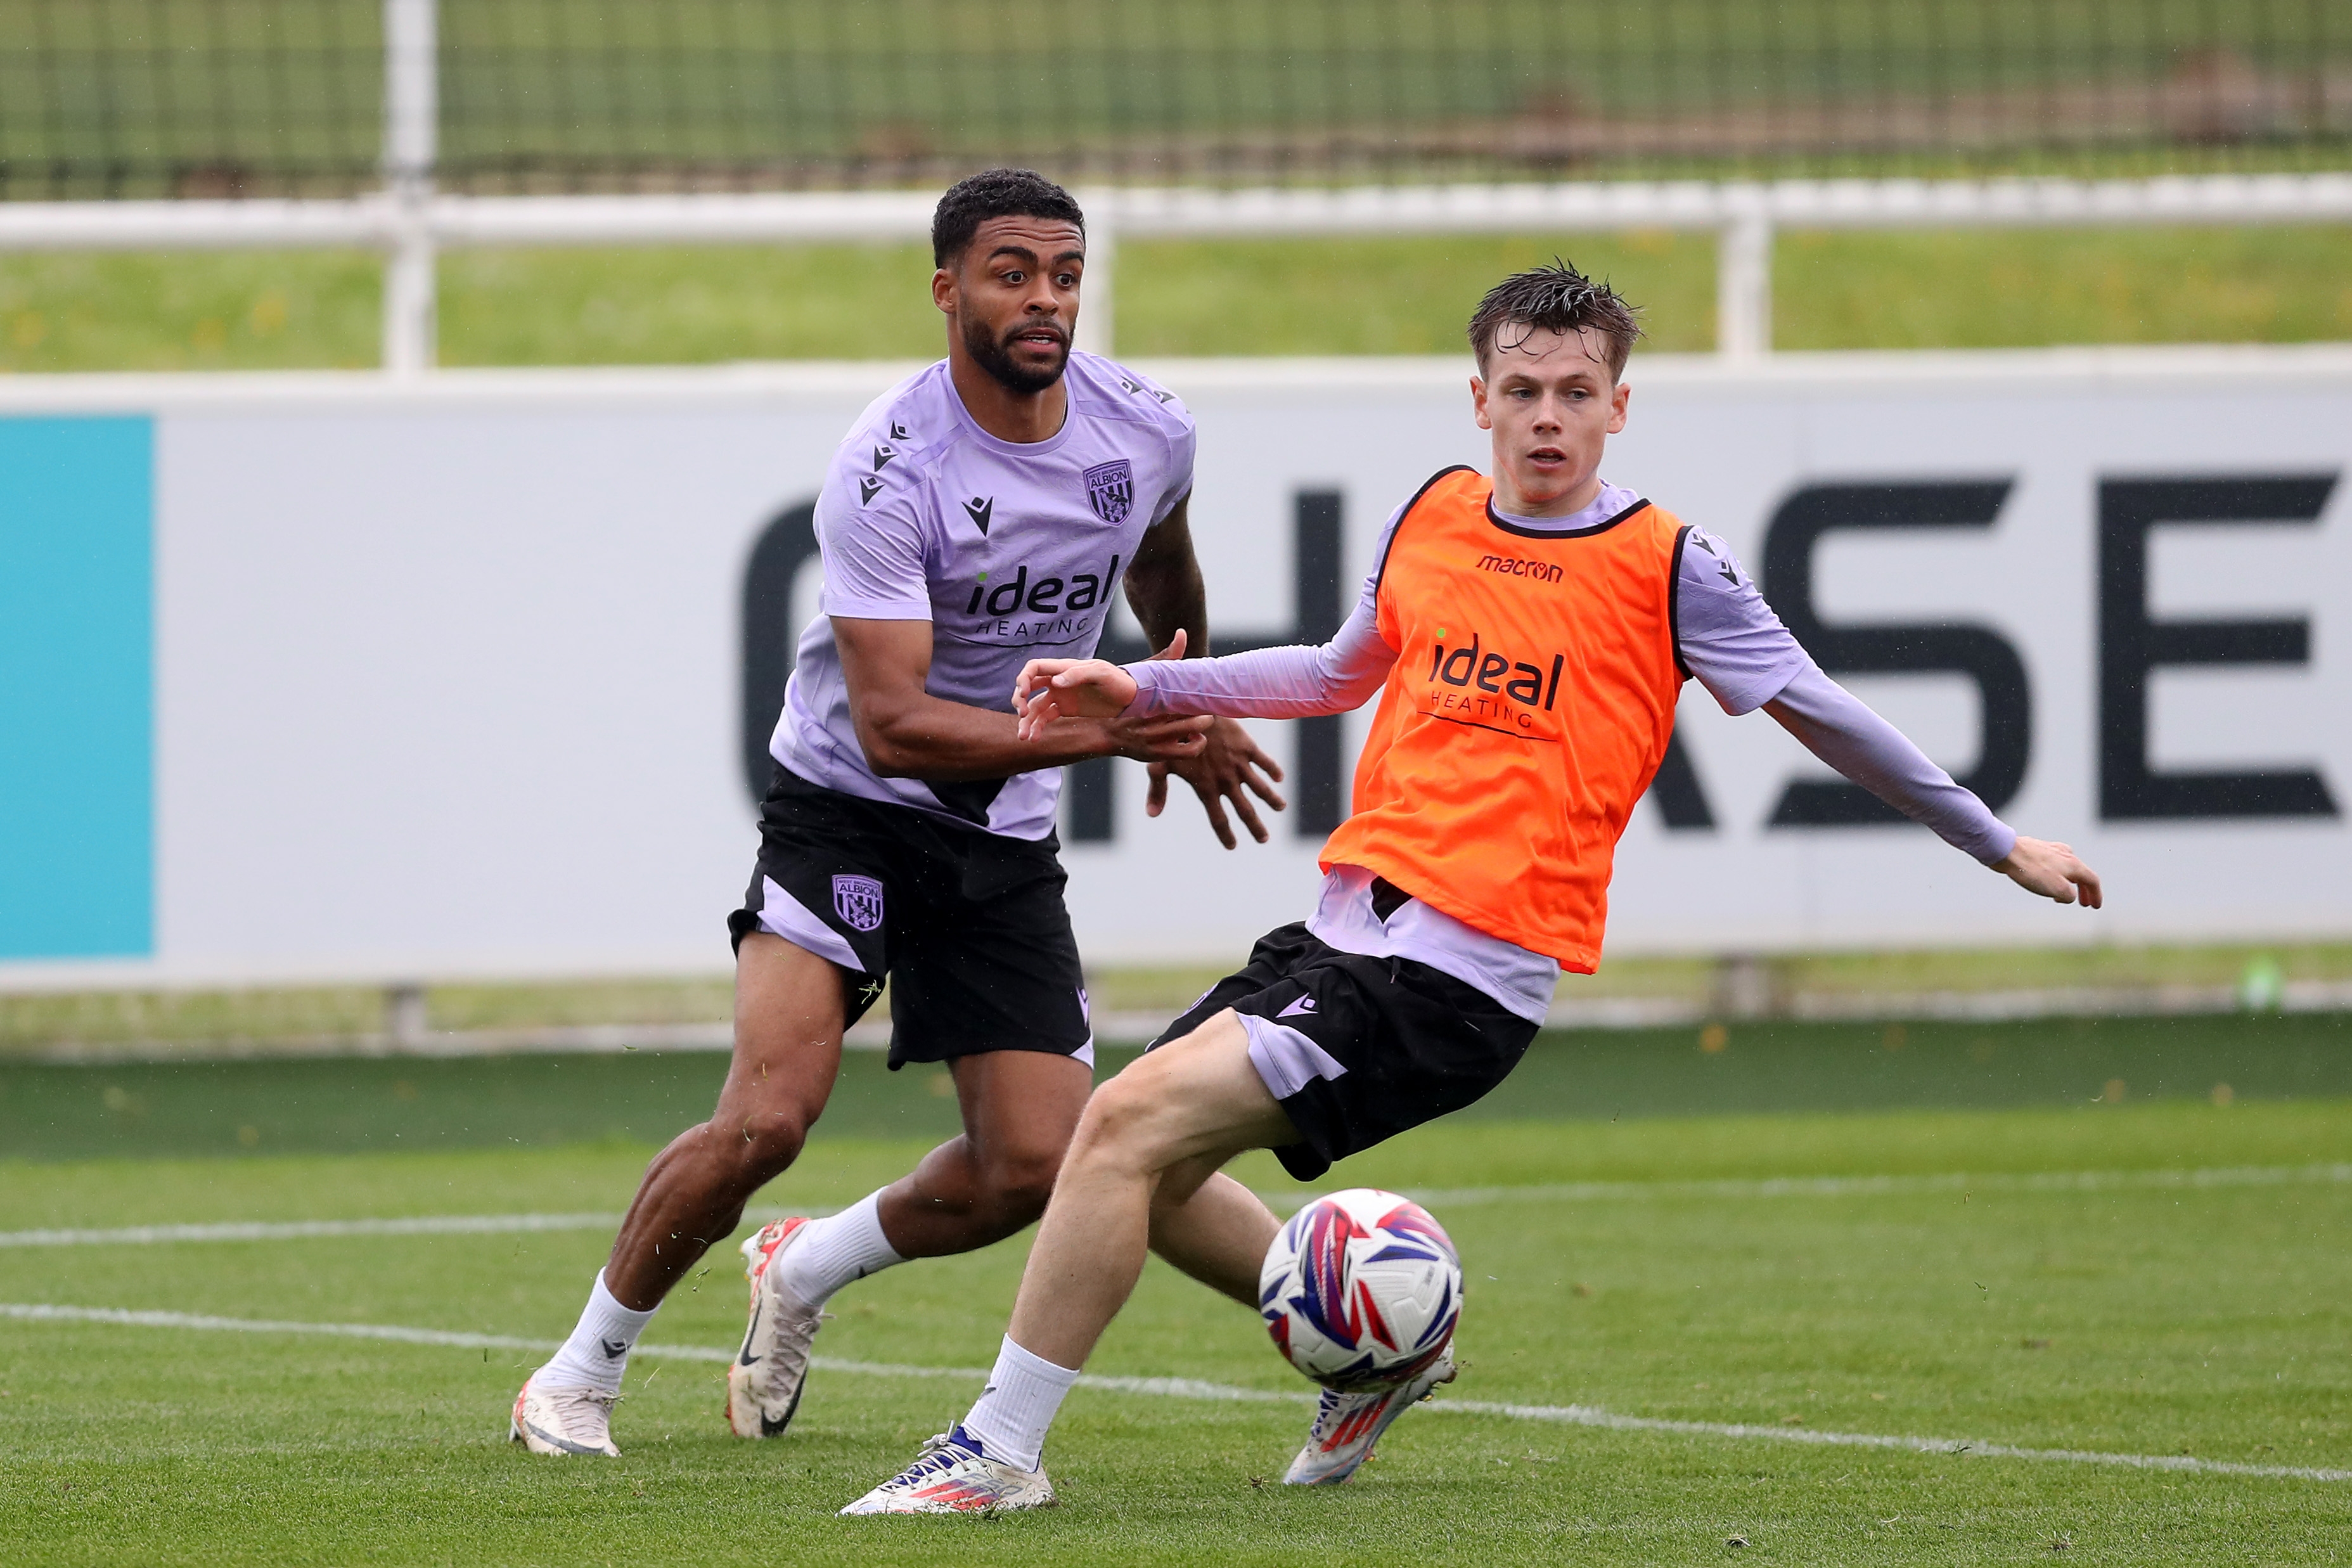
[[574, 1403], [939, 1452]]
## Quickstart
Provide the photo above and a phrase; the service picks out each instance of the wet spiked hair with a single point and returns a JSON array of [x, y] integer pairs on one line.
[[1556, 299], [997, 193]]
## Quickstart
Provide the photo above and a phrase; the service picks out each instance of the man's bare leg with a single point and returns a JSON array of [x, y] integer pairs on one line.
[[1195, 1102], [1214, 1228], [989, 1183], [1142, 1169], [1020, 1108], [788, 1028]]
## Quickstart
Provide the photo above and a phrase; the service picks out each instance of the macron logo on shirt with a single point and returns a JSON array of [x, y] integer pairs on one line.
[[1304, 1005]]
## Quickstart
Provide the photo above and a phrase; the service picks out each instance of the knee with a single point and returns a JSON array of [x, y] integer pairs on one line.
[[1118, 1125], [1020, 1183], [761, 1147]]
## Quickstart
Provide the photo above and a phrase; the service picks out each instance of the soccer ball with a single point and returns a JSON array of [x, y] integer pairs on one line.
[[1360, 1290]]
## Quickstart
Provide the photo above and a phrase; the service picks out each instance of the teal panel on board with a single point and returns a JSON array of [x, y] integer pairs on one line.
[[76, 688]]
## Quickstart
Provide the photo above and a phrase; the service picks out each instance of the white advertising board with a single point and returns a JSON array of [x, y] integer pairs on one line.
[[365, 680]]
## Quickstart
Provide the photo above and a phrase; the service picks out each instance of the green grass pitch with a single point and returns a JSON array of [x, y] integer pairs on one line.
[[1649, 1266]]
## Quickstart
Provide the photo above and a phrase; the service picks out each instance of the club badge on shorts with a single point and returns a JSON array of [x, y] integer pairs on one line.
[[1110, 490], [858, 902]]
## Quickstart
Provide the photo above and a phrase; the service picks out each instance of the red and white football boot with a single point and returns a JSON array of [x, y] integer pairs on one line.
[[953, 1475], [1348, 1425], [764, 1386]]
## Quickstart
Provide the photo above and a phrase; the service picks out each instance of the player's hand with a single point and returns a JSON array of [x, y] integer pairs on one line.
[[1228, 767], [1161, 741], [1050, 689], [2051, 870]]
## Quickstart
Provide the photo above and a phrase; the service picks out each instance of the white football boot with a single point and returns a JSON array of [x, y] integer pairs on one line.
[[563, 1420], [1348, 1425], [763, 1387], [952, 1475]]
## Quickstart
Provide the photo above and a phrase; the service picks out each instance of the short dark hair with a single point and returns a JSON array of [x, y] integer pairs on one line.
[[996, 193], [1556, 299]]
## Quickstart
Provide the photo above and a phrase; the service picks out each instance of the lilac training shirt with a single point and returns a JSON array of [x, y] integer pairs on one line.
[[1727, 638], [1012, 550]]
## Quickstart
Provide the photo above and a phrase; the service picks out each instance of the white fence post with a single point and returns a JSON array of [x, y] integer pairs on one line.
[[1743, 279], [411, 122], [406, 1020], [1096, 312]]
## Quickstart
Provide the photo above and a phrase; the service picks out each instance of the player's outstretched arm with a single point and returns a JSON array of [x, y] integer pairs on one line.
[[1165, 591], [2052, 870], [1729, 638], [1840, 729], [906, 733]]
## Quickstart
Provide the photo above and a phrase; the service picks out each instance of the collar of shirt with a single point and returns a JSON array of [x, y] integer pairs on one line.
[[1604, 506]]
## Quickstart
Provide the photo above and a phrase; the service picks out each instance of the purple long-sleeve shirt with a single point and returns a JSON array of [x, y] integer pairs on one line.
[[1725, 636]]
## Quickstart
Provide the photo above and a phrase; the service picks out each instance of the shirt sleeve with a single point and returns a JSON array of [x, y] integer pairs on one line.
[[1725, 634], [873, 555], [1294, 682], [1183, 442], [1839, 727]]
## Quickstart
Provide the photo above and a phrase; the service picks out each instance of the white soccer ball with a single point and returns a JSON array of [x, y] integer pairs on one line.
[[1362, 1289]]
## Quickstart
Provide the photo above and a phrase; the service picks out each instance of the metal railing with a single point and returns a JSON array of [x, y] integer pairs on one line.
[[121, 98]]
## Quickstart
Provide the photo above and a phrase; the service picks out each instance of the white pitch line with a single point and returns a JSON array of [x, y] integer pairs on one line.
[[2194, 1179], [2191, 1180], [1952, 1448], [1191, 1388], [305, 1229]]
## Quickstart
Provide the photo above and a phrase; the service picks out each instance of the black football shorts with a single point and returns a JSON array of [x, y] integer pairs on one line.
[[1358, 1050], [968, 927]]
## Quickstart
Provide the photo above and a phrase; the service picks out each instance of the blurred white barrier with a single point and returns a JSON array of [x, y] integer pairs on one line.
[[449, 678], [411, 224]]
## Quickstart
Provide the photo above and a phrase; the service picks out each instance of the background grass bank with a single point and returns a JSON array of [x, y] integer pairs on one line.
[[1372, 296]]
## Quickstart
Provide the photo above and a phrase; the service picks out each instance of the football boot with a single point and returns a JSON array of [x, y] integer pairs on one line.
[[1348, 1425], [563, 1420], [764, 1386], [953, 1475]]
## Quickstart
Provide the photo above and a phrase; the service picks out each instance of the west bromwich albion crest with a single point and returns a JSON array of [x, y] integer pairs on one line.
[[858, 902], [1110, 490]]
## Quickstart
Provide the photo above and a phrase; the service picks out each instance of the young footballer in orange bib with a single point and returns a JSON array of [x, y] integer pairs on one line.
[[1527, 635]]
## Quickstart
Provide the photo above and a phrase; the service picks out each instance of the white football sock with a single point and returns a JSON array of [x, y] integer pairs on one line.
[[1023, 1395], [589, 1359], [832, 1251]]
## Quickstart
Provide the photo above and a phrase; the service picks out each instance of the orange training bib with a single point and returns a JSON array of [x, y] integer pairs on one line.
[[1532, 698]]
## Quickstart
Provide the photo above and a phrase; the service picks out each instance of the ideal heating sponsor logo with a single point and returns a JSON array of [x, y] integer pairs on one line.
[[1047, 610], [1519, 566], [1478, 684]]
